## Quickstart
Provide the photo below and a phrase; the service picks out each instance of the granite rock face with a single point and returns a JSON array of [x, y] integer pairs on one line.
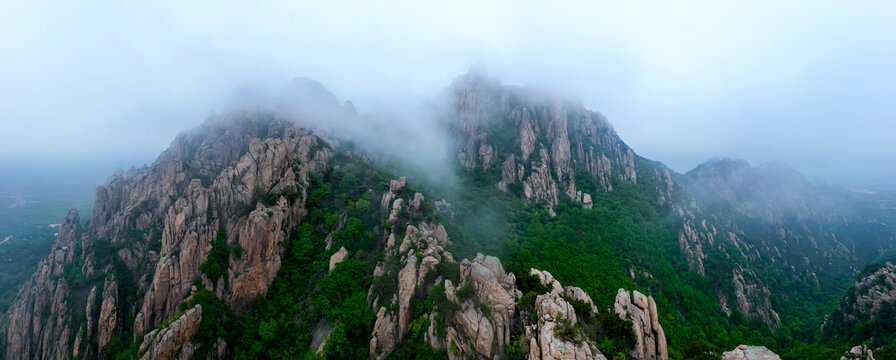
[[536, 140], [34, 333], [872, 293], [157, 224], [642, 311], [554, 312], [168, 342], [868, 302], [746, 352], [271, 166]]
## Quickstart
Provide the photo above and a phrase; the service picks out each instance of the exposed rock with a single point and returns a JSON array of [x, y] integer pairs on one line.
[[320, 334], [34, 332], [396, 209], [427, 240], [746, 290], [418, 199], [858, 352], [108, 320], [407, 284], [338, 257], [545, 344], [586, 201], [394, 185], [870, 299], [554, 136], [747, 352], [383, 339], [875, 290], [165, 343], [271, 165], [641, 310]]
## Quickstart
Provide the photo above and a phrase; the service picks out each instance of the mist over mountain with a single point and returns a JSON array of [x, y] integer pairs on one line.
[[497, 222], [631, 181], [763, 82]]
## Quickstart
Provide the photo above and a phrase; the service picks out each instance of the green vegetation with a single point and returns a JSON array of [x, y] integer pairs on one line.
[[218, 261], [280, 324]]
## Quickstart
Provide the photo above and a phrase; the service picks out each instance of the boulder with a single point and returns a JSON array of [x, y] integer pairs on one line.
[[338, 257], [747, 352]]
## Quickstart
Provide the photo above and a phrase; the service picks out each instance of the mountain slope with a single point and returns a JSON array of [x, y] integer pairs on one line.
[[252, 237]]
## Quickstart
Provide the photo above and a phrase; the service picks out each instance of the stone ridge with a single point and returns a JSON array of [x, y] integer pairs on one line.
[[537, 142], [155, 225], [482, 323]]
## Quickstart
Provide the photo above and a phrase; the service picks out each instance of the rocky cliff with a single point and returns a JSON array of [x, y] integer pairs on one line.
[[40, 316], [534, 143], [237, 180], [866, 314], [478, 308], [201, 237]]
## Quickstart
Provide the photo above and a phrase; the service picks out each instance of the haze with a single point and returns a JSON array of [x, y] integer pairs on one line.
[[807, 83]]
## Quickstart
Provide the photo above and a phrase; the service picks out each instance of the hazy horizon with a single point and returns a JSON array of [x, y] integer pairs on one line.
[[806, 84]]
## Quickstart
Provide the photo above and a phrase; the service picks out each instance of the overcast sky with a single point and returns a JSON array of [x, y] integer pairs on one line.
[[811, 84]]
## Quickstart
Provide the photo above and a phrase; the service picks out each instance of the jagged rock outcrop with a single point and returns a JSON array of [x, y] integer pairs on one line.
[[39, 318], [427, 240], [271, 166], [108, 320], [746, 352], [473, 330], [873, 292], [241, 176], [173, 340], [859, 352], [554, 312], [871, 303], [641, 310], [482, 323], [537, 140]]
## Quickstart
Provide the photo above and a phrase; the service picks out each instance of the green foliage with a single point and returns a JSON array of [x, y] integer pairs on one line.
[[347, 278], [517, 349], [465, 292], [444, 309], [237, 251], [847, 327], [700, 351], [218, 258], [527, 302], [568, 331], [270, 329], [279, 324], [121, 348], [415, 345], [155, 241], [449, 271], [272, 198], [615, 334], [527, 283], [218, 321]]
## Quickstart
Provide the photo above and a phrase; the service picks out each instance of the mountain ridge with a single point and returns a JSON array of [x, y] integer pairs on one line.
[[227, 214]]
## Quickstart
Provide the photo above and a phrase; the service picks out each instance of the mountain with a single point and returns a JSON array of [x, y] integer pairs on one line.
[[867, 312], [286, 229]]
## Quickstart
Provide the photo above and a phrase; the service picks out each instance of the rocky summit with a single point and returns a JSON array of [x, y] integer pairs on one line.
[[278, 232]]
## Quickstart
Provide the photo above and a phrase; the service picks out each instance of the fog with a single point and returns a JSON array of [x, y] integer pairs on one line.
[[807, 83]]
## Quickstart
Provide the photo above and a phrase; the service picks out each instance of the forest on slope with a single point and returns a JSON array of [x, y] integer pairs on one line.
[[242, 217]]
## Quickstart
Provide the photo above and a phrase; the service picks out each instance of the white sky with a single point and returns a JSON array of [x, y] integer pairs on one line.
[[808, 83]]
